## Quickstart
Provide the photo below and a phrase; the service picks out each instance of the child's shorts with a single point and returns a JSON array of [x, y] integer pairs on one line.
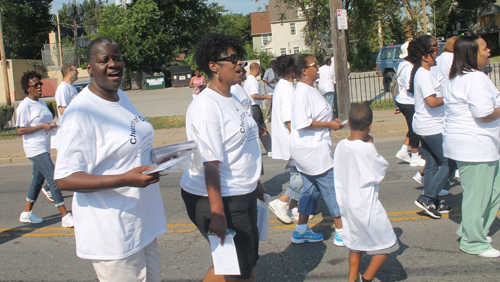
[[386, 251]]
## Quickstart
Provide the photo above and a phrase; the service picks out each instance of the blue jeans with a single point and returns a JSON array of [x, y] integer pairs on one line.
[[322, 184], [329, 97], [436, 167], [293, 190], [43, 169]]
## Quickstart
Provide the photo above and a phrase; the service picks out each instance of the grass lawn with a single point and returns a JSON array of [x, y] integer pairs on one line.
[[167, 122], [495, 59]]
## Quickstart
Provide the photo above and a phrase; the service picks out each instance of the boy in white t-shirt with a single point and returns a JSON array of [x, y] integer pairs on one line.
[[358, 171]]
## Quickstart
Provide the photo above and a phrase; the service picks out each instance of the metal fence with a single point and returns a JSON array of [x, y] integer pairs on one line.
[[369, 88], [494, 74]]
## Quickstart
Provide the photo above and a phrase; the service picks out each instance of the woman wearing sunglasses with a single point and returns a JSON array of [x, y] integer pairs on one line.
[[428, 122], [223, 194], [311, 149], [34, 123]]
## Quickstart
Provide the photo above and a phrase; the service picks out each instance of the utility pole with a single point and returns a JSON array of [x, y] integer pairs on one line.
[[59, 41], [425, 16], [4, 65], [75, 32], [339, 38]]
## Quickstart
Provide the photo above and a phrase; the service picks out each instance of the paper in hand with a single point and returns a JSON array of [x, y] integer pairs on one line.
[[224, 257]]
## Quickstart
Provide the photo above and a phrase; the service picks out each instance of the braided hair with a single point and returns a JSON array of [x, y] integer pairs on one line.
[[416, 49]]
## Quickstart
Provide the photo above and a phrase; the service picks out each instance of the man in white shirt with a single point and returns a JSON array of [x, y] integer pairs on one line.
[[66, 91], [326, 80], [252, 88], [270, 80]]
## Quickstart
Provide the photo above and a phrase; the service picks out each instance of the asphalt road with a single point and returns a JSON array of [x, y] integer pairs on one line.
[[429, 248]]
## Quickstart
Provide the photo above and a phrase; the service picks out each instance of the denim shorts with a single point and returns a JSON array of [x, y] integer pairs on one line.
[[313, 187], [241, 216]]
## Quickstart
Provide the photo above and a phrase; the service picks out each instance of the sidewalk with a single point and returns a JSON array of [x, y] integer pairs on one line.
[[385, 123]]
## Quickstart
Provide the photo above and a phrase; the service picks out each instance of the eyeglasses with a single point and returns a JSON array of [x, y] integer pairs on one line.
[[36, 85], [312, 65], [233, 59], [434, 45]]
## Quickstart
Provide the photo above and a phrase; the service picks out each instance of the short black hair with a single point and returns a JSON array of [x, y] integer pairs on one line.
[[212, 46], [360, 117], [25, 79], [282, 65], [465, 53], [299, 63], [96, 42]]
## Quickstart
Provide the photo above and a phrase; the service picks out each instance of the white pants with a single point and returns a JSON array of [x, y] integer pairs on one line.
[[143, 266]]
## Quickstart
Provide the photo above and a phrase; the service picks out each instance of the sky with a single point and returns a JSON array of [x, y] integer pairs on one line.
[[236, 6]]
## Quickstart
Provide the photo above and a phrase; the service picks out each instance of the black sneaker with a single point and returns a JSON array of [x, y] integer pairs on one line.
[[444, 209], [429, 209]]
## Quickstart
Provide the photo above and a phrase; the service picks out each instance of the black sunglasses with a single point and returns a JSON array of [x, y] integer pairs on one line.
[[434, 45], [36, 85], [233, 59]]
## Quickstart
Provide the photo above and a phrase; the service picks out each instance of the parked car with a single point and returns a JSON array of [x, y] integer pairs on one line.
[[388, 60], [79, 85]]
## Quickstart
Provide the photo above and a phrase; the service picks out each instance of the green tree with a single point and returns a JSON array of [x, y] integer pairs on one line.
[[86, 19], [238, 25], [26, 25]]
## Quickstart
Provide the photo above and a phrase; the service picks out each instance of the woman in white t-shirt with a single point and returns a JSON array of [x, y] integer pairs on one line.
[[223, 194], [428, 122], [34, 123], [311, 149], [105, 147], [471, 137]]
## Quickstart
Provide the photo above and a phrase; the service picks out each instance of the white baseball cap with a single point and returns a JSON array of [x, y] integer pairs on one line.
[[404, 50]]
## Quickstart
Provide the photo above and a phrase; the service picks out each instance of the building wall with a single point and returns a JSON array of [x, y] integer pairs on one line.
[[282, 37], [257, 42]]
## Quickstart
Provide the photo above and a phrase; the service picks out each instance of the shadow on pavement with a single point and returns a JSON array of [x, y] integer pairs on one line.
[[16, 232]]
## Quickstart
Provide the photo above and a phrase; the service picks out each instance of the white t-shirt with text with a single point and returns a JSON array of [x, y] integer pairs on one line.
[[281, 113], [243, 97], [252, 87], [101, 137], [427, 120]]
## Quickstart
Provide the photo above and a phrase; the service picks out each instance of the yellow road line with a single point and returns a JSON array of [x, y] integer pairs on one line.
[[274, 224]]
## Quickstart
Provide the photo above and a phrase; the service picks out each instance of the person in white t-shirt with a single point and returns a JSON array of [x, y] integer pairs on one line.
[[270, 79], [66, 91], [326, 84], [358, 171], [471, 137], [252, 88], [311, 149], [223, 194], [104, 149], [34, 123], [428, 123]]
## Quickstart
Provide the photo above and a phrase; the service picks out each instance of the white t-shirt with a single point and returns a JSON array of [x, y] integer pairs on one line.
[[106, 138], [252, 87], [427, 120], [466, 138], [243, 97], [442, 69], [227, 133], [281, 113], [31, 113], [326, 79], [64, 94], [358, 171], [311, 149], [404, 74]]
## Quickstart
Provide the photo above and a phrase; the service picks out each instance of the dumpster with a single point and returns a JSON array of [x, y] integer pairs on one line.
[[181, 75], [153, 80]]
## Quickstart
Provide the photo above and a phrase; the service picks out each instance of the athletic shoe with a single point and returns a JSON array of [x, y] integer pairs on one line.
[[404, 156], [417, 161], [443, 192], [429, 209], [444, 209], [294, 214], [67, 221], [337, 240], [29, 217], [419, 178], [47, 193], [307, 237], [489, 239], [281, 211], [269, 154], [493, 253]]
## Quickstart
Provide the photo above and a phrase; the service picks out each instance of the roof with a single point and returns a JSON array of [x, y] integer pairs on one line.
[[492, 8], [260, 23], [277, 8]]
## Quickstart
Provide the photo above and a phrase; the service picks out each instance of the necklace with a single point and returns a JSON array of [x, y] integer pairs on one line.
[[230, 97]]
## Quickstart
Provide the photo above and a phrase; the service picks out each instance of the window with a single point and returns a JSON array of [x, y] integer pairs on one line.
[[386, 54], [398, 54], [292, 29], [265, 39], [283, 51], [295, 50]]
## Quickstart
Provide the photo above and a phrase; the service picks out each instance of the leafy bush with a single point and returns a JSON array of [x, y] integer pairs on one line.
[[6, 113], [361, 57]]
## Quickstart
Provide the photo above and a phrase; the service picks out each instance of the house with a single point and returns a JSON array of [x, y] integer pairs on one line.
[[488, 26], [279, 29]]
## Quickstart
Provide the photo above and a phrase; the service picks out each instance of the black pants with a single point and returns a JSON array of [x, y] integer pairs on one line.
[[259, 119], [408, 111]]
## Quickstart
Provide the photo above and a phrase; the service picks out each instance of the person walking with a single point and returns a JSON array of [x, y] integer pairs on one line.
[[270, 79], [326, 84]]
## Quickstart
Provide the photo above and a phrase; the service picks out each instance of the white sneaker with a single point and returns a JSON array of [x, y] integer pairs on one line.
[[489, 239], [67, 221], [281, 211], [417, 161], [29, 217], [443, 192], [457, 174], [269, 154], [404, 156], [493, 253], [294, 214], [419, 178], [47, 193]]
